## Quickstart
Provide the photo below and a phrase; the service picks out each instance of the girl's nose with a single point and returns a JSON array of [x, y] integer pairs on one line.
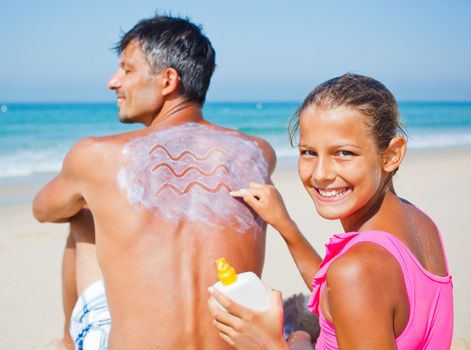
[[323, 171]]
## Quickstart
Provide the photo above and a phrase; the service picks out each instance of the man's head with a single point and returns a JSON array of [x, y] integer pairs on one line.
[[163, 43]]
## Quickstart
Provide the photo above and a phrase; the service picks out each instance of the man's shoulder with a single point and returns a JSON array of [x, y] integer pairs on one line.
[[261, 143], [110, 141], [93, 149], [267, 150]]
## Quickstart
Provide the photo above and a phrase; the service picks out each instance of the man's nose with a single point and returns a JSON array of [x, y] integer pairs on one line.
[[114, 83]]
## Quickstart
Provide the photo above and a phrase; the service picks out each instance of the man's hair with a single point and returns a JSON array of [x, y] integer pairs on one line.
[[177, 43]]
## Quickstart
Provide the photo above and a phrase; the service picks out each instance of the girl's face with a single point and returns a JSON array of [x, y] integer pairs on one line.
[[339, 162]]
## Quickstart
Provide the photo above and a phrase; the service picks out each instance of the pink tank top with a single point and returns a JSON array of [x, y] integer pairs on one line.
[[430, 324]]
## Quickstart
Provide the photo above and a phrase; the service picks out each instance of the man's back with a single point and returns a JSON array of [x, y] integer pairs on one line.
[[160, 201], [162, 211]]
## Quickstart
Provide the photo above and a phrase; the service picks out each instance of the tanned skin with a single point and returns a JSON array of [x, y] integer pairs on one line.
[[365, 296], [156, 272]]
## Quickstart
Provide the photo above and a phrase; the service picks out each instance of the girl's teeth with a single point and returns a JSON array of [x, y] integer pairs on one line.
[[332, 193]]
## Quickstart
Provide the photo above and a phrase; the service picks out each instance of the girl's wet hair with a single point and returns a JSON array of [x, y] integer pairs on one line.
[[363, 94]]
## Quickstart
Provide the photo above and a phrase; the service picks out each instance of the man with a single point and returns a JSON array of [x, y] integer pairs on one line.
[[156, 200]]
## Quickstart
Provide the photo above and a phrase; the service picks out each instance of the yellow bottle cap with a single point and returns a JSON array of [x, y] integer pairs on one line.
[[226, 273]]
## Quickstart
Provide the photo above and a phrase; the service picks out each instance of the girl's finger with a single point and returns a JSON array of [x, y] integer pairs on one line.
[[238, 193], [257, 185], [223, 328], [219, 314], [258, 192], [276, 298], [244, 192], [247, 196], [227, 339], [234, 309]]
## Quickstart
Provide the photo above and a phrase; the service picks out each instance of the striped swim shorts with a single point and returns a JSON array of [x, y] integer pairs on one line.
[[90, 323]]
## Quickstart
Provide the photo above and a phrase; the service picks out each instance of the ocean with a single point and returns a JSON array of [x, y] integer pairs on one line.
[[34, 138]]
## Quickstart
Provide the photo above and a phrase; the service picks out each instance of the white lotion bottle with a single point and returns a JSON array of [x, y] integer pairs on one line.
[[244, 288]]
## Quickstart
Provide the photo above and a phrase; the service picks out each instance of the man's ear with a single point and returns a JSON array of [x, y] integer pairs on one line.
[[170, 81], [394, 154]]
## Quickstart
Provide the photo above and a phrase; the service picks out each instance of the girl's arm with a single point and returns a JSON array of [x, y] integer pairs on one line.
[[267, 202], [365, 298]]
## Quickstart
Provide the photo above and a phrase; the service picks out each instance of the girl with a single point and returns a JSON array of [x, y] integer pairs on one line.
[[384, 283]]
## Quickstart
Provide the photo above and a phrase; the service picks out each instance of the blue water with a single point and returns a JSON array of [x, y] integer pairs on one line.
[[34, 138]]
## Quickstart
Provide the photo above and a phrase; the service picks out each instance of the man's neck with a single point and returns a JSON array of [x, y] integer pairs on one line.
[[178, 112]]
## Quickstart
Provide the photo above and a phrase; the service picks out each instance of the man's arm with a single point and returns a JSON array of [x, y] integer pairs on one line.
[[62, 197]]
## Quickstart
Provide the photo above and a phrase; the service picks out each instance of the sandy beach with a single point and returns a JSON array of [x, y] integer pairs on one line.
[[30, 253]]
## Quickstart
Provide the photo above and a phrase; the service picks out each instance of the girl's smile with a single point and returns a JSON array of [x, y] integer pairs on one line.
[[332, 194]]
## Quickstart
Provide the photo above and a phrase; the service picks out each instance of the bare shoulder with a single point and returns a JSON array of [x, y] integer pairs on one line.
[[418, 217], [423, 221], [109, 142], [265, 147], [364, 291], [92, 153], [423, 239], [88, 148], [366, 271], [267, 150], [80, 153]]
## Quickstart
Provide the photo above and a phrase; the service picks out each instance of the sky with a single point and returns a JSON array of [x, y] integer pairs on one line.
[[60, 51]]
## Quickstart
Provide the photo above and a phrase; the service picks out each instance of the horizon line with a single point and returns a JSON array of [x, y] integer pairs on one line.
[[7, 103]]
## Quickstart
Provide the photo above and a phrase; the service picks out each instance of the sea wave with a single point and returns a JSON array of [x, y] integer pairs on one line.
[[29, 162], [422, 141]]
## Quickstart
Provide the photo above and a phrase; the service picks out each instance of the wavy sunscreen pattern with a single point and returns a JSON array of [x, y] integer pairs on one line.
[[186, 172]]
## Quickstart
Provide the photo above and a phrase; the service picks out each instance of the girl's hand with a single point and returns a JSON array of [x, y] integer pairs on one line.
[[267, 202], [244, 328]]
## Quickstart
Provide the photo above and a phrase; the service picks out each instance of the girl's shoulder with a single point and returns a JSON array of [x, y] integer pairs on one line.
[[424, 241], [366, 281], [366, 261], [357, 267]]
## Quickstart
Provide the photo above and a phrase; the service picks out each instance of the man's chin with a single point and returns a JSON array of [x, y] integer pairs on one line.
[[125, 119]]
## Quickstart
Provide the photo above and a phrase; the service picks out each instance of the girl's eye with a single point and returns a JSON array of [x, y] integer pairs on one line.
[[344, 154], [307, 153]]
